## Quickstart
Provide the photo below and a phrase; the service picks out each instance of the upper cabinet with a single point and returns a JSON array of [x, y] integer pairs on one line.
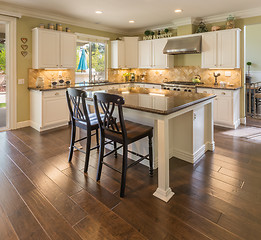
[[151, 54], [124, 54], [53, 49], [131, 52], [117, 54], [221, 49]]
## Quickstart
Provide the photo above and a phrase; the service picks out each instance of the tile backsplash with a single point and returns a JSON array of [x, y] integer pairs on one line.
[[178, 74], [48, 75]]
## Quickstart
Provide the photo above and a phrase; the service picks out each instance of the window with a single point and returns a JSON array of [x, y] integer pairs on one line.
[[90, 61]]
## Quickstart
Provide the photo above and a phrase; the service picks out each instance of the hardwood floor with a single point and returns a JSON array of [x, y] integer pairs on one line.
[[42, 196]]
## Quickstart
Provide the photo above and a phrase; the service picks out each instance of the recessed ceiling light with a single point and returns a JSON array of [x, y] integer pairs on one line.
[[98, 12], [178, 11], [131, 21]]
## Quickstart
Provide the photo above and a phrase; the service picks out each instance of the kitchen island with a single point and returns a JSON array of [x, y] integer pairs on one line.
[[182, 121]]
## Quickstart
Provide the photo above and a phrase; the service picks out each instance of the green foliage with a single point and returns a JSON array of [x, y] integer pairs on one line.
[[249, 63], [98, 57], [2, 58]]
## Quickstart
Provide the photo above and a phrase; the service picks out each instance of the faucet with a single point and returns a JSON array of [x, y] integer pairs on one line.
[[216, 75]]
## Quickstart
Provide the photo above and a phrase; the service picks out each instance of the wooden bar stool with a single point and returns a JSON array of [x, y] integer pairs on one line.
[[80, 117], [120, 131]]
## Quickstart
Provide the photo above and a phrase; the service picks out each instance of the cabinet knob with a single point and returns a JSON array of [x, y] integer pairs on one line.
[[56, 94], [223, 93]]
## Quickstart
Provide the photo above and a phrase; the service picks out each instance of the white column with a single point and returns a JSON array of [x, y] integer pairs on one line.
[[163, 191], [209, 126]]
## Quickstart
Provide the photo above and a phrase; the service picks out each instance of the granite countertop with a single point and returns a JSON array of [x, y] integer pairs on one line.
[[157, 101], [79, 85], [219, 87]]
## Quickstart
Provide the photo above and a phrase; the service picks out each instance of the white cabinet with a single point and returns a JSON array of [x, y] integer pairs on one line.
[[131, 52], [48, 109], [221, 49], [151, 54], [145, 54], [160, 60], [117, 54], [226, 110], [53, 49], [124, 54]]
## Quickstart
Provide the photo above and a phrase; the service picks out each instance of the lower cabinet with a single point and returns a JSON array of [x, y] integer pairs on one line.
[[48, 109], [226, 109]]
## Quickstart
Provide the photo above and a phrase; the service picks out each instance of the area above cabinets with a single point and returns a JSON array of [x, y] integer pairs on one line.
[[53, 49]]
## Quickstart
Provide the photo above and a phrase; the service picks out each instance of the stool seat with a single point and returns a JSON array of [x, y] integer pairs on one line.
[[135, 132]]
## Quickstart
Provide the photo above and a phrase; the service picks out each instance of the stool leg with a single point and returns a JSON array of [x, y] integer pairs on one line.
[[151, 155], [87, 153], [97, 138], [101, 154], [124, 170], [115, 153], [73, 132]]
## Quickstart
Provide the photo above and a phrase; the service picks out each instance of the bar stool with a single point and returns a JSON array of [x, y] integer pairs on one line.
[[82, 118], [121, 131]]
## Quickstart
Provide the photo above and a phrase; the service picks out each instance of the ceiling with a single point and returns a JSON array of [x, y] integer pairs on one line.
[[146, 13]]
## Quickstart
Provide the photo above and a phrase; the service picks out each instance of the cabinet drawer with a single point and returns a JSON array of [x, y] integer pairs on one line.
[[205, 90], [223, 93], [54, 93]]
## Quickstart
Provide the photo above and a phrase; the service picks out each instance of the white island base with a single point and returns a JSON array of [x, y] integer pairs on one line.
[[186, 134]]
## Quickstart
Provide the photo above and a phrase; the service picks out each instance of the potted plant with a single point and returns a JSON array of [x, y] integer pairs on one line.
[[126, 76]]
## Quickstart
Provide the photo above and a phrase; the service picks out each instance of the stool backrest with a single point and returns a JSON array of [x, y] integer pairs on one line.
[[77, 105], [113, 122]]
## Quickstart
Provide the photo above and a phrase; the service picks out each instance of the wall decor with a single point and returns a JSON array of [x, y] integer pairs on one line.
[[24, 47], [202, 27], [24, 53], [24, 40], [164, 33]]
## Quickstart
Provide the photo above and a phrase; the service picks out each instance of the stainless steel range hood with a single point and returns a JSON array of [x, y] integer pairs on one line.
[[183, 45]]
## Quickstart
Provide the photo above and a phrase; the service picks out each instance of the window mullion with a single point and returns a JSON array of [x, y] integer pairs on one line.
[[90, 62]]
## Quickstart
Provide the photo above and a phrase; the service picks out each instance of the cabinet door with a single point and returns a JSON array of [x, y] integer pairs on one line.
[[209, 50], [68, 50], [131, 52], [117, 54], [145, 49], [224, 110], [55, 109], [160, 60], [227, 49], [48, 49]]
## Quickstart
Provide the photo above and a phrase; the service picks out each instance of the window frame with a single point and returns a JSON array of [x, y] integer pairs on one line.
[[94, 40]]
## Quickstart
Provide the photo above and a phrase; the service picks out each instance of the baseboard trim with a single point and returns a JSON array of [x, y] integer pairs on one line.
[[23, 124], [189, 157], [243, 121]]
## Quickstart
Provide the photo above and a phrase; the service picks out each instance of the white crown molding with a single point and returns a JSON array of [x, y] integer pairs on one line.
[[10, 14], [254, 12], [19, 11], [185, 21]]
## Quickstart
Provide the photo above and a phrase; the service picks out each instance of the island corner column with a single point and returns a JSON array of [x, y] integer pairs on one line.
[[163, 191]]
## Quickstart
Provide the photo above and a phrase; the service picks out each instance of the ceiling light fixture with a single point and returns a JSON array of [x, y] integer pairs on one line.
[[98, 12], [178, 11], [131, 21]]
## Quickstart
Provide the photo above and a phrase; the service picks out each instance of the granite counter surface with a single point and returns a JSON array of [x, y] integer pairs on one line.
[[157, 101]]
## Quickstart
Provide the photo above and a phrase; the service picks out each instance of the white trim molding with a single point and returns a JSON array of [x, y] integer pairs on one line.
[[23, 124], [243, 121]]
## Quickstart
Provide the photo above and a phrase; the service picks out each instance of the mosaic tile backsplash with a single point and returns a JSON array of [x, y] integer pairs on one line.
[[178, 74], [48, 75]]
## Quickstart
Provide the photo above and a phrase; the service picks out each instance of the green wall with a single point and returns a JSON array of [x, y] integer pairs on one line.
[[24, 30], [253, 46]]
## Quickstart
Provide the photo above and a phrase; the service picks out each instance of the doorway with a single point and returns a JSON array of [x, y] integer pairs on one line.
[[3, 109], [253, 74], [7, 73]]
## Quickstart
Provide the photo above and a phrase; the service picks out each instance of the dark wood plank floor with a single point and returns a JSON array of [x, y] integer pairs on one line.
[[42, 196]]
